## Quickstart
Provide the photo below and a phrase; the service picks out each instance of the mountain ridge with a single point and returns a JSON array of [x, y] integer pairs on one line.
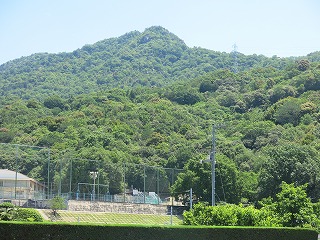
[[155, 57]]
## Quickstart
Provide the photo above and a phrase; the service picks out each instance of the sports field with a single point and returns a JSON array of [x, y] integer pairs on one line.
[[112, 218]]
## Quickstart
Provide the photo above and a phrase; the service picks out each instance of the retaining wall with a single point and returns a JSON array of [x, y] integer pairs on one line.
[[117, 207]]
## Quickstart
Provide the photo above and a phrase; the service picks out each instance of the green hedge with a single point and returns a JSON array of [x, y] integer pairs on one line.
[[26, 231]]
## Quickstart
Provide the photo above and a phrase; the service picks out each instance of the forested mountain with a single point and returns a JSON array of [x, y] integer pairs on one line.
[[154, 57], [147, 98]]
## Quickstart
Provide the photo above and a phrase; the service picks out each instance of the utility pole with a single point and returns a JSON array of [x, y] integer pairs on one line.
[[212, 160], [213, 166], [70, 180], [60, 178], [16, 177], [144, 183], [124, 181], [190, 198], [49, 174]]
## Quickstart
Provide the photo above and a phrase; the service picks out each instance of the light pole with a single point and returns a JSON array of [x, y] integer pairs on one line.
[[94, 175]]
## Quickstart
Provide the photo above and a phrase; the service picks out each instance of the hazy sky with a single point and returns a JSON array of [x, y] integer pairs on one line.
[[273, 27]]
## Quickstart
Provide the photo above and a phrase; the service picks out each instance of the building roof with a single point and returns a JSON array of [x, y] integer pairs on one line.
[[6, 174]]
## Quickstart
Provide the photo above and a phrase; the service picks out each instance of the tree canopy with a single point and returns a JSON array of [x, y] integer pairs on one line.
[[147, 98]]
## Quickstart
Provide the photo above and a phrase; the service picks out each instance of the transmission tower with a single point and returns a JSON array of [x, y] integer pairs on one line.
[[234, 56]]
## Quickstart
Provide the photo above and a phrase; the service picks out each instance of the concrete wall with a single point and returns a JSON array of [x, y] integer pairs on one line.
[[117, 207]]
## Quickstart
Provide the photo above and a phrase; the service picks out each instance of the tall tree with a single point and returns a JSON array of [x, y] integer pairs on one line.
[[291, 163]]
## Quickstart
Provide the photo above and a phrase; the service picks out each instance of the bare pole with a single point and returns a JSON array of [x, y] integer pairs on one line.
[[70, 180], [213, 166], [190, 198], [124, 182], [16, 177], [98, 179], [212, 160], [48, 173], [60, 178], [144, 183], [158, 185]]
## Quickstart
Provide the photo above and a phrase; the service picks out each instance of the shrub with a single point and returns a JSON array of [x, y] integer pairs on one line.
[[6, 205], [222, 215], [7, 211], [28, 214]]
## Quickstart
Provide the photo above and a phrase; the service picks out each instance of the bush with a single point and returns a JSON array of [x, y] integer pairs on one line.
[[7, 205], [222, 215], [28, 214], [7, 211], [247, 216]]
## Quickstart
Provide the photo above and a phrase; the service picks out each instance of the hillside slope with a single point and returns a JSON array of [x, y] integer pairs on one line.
[[154, 57], [156, 109]]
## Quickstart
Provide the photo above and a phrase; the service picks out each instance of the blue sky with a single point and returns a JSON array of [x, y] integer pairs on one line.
[[275, 27]]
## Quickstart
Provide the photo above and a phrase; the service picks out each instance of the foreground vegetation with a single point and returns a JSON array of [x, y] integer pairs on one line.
[[9, 212], [290, 208], [12, 230]]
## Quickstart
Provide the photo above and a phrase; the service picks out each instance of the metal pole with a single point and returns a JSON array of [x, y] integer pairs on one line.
[[94, 186], [16, 177], [158, 185], [144, 183], [98, 181], [51, 188], [48, 173], [60, 178], [124, 182], [70, 180], [213, 165], [172, 176], [190, 198], [171, 210]]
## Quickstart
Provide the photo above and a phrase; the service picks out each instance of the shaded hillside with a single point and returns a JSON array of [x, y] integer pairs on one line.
[[154, 57]]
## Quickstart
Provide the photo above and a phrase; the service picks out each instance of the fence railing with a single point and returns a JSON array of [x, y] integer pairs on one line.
[[86, 179], [148, 198]]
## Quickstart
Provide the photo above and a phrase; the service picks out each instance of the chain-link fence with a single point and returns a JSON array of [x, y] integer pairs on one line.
[[58, 173], [85, 179]]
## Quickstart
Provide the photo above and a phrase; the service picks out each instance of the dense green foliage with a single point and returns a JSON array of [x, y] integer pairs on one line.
[[68, 231], [290, 208], [152, 100], [28, 214], [9, 212], [57, 203], [153, 58]]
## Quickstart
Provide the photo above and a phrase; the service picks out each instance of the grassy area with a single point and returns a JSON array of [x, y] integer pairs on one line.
[[115, 218]]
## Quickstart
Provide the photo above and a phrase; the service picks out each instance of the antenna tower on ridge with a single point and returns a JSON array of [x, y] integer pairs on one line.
[[235, 60]]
